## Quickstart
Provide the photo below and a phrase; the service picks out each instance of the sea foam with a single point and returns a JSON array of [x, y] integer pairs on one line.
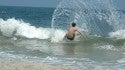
[[119, 34], [13, 27]]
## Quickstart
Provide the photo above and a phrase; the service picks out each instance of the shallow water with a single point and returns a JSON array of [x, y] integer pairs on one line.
[[82, 54]]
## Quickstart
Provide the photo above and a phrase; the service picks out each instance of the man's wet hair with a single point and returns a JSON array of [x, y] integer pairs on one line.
[[73, 24]]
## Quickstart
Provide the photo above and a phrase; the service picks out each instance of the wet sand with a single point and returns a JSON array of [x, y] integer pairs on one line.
[[26, 65]]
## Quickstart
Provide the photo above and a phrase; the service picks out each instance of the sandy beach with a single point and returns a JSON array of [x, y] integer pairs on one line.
[[25, 65]]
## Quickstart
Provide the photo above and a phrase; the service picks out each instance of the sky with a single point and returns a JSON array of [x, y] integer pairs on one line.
[[45, 3], [32, 3]]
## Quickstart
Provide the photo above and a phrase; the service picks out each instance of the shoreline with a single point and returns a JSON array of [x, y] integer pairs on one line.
[[27, 65]]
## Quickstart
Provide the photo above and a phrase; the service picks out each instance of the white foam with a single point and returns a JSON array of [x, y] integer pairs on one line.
[[107, 47], [12, 26], [58, 35], [8, 27], [119, 34], [121, 60]]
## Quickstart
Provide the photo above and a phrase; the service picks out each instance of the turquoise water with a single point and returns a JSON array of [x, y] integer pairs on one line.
[[35, 34]]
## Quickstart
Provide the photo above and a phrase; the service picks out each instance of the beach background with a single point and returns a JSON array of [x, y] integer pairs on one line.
[[31, 38]]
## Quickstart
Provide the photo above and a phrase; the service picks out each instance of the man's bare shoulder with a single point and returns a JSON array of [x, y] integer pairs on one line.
[[75, 29]]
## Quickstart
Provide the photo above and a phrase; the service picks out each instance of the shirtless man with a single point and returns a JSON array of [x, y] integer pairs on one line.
[[71, 32]]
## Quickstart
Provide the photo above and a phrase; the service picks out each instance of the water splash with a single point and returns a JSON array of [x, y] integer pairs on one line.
[[96, 17]]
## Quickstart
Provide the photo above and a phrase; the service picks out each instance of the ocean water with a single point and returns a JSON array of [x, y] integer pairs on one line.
[[36, 33]]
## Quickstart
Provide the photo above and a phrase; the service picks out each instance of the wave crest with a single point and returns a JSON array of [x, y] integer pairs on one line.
[[119, 34], [13, 27]]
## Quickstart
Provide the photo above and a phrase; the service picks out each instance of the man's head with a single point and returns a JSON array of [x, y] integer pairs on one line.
[[73, 24]]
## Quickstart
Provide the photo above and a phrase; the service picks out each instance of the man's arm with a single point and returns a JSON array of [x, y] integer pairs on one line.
[[80, 33]]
